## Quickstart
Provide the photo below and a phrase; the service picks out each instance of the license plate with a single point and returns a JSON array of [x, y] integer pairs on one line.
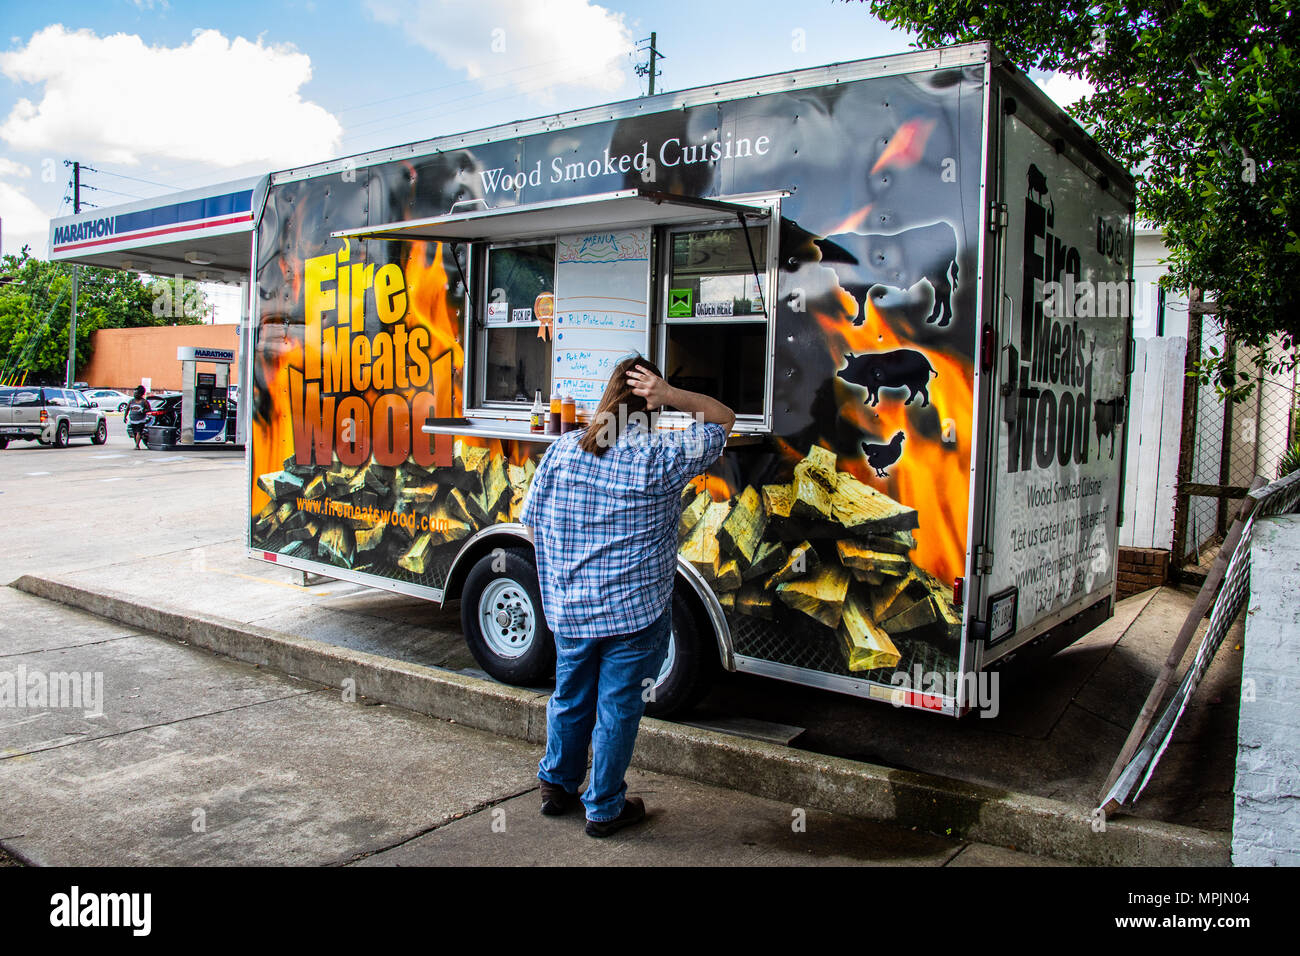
[[1002, 615]]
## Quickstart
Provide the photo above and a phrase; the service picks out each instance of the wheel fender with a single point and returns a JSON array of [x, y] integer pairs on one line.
[[715, 618], [482, 542]]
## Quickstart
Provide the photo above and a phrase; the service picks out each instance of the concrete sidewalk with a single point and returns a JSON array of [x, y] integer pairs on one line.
[[158, 547], [201, 760]]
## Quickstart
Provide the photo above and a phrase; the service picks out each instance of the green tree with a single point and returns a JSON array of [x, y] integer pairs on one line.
[[1202, 100], [36, 303]]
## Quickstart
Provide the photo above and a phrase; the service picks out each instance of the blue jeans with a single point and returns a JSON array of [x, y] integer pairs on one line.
[[598, 700]]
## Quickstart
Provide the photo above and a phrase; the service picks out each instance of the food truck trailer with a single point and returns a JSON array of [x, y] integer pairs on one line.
[[908, 276]]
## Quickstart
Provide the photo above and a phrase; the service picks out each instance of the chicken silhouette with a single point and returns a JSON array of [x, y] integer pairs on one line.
[[881, 457]]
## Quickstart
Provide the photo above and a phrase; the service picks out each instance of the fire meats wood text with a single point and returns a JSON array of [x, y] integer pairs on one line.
[[361, 394], [1050, 423]]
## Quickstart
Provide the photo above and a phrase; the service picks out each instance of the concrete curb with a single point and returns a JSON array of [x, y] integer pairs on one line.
[[937, 804]]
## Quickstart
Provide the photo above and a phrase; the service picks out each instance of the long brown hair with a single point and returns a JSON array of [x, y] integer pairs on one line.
[[617, 406]]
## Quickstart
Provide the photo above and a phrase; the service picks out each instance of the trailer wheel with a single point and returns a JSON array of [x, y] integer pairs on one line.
[[690, 667], [501, 615]]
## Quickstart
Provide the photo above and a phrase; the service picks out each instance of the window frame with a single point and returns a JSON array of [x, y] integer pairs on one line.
[[475, 386], [476, 259], [660, 321]]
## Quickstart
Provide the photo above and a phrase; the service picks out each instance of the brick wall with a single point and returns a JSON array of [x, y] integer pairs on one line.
[[122, 357], [1266, 817], [1140, 569]]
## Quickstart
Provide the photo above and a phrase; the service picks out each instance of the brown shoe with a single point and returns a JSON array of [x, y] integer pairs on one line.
[[556, 801], [633, 812]]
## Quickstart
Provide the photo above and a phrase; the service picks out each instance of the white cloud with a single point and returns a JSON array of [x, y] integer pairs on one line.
[[1065, 89], [212, 100], [578, 44], [24, 222], [9, 168]]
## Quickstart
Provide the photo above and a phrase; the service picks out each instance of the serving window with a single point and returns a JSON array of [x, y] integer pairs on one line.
[[676, 279], [715, 314], [515, 360]]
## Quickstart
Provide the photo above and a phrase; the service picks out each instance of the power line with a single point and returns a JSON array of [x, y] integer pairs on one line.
[[644, 69], [134, 179]]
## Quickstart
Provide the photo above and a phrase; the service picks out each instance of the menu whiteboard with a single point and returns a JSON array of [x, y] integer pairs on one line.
[[602, 313]]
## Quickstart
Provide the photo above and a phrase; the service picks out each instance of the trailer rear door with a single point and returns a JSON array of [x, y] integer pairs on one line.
[[1062, 389]]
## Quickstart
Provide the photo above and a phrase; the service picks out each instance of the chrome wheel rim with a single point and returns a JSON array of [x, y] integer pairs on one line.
[[669, 660], [507, 618]]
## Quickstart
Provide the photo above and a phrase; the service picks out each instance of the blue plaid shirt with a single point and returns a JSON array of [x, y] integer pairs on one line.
[[605, 527]]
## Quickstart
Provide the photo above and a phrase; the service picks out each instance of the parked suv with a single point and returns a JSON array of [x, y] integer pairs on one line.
[[51, 416]]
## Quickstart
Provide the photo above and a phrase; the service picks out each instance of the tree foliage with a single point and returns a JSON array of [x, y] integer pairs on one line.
[[36, 305], [1202, 101]]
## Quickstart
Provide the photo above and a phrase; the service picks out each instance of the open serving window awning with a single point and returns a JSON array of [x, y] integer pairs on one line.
[[626, 208]]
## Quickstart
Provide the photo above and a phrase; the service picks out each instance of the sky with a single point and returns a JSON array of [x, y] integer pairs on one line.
[[156, 96]]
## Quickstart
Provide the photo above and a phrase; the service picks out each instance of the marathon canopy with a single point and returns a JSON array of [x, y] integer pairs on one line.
[[204, 234], [628, 207]]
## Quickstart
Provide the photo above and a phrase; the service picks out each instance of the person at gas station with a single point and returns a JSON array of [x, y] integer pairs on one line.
[[137, 414], [604, 507]]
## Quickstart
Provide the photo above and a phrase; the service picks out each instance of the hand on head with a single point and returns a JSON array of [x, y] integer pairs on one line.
[[649, 386]]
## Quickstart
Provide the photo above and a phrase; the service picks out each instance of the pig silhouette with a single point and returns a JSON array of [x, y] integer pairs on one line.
[[896, 260], [901, 368]]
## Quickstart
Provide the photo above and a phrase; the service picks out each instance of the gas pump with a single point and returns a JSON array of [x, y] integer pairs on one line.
[[204, 402]]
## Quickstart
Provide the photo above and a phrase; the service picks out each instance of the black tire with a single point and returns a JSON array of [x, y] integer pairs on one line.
[[4, 443], [101, 433], [508, 578], [122, 408], [692, 664], [61, 435]]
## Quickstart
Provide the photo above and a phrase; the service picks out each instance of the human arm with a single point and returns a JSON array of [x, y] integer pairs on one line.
[[659, 393]]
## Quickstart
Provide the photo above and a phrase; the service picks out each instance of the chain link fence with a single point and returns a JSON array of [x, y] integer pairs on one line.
[[1224, 445]]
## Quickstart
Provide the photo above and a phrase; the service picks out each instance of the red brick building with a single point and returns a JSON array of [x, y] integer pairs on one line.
[[124, 357]]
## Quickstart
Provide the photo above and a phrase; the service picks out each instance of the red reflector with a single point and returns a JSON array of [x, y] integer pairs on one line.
[[958, 590], [924, 701], [269, 555]]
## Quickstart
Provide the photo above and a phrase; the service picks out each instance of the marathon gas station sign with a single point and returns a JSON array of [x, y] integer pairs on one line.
[[203, 234], [160, 222]]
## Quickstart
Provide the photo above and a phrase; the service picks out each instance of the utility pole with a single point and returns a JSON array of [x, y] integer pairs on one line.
[[644, 70], [72, 324]]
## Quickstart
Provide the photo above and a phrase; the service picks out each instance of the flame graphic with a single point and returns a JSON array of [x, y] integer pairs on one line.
[[917, 479], [718, 488], [280, 348], [907, 145]]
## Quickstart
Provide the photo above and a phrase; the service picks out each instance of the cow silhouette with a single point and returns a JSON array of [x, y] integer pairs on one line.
[[1037, 182], [901, 368], [1107, 415], [896, 260]]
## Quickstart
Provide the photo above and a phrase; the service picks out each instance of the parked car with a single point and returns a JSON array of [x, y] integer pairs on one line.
[[49, 416], [107, 398], [164, 425]]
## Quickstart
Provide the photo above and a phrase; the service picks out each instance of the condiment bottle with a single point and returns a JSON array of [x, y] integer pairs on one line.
[[553, 419], [537, 418], [568, 414]]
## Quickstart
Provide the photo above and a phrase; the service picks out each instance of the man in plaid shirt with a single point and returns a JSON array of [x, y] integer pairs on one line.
[[603, 508]]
